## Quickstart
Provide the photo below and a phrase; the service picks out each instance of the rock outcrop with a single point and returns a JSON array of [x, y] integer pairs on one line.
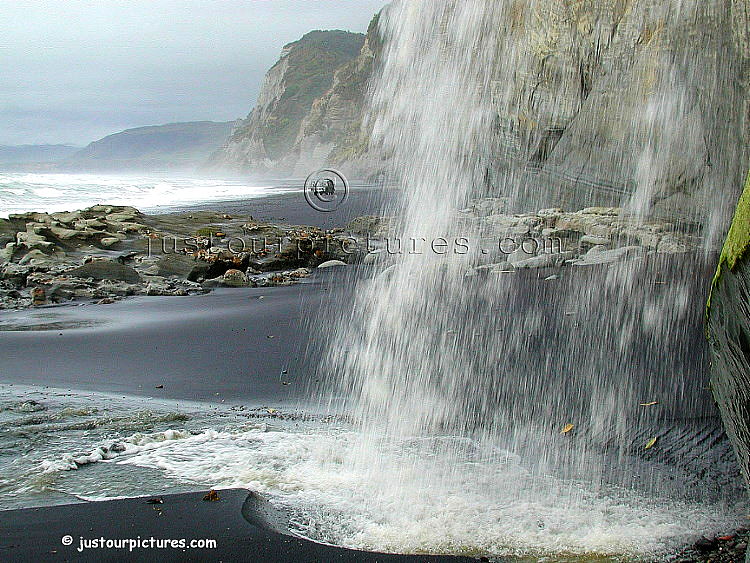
[[105, 253], [617, 103]]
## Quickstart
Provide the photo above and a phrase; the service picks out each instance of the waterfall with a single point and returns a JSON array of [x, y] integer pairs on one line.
[[567, 414]]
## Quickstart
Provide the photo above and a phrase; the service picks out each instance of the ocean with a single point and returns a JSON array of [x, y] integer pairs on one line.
[[32, 191]]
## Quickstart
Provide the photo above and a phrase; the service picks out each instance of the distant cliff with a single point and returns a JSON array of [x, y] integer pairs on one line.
[[159, 147], [309, 110]]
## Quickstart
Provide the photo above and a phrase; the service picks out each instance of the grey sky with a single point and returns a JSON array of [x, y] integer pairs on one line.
[[74, 71]]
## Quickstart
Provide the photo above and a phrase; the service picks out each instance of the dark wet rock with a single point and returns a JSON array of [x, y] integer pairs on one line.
[[728, 330], [106, 270], [38, 296], [59, 293], [199, 272], [179, 265], [128, 256], [705, 544]]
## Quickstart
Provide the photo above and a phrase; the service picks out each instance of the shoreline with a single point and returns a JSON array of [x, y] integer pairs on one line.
[[35, 534]]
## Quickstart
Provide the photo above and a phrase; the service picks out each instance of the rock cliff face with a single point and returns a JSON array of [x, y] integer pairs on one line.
[[624, 102], [728, 316], [309, 106], [632, 103]]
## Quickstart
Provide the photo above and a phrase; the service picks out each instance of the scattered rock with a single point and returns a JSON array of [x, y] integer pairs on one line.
[[179, 265]]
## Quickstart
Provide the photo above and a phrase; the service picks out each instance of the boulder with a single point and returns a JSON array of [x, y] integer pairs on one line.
[[63, 233], [593, 240], [122, 217], [106, 270], [106, 242], [234, 278], [66, 217], [178, 265], [126, 227], [87, 224], [31, 241], [544, 261], [16, 274], [38, 258], [198, 271], [331, 264], [6, 254], [610, 256]]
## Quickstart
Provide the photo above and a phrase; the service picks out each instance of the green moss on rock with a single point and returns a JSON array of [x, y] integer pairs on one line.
[[738, 239]]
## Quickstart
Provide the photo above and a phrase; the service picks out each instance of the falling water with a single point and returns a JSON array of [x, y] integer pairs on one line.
[[464, 389]]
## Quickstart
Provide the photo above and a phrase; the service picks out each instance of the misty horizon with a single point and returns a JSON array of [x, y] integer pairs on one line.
[[113, 67]]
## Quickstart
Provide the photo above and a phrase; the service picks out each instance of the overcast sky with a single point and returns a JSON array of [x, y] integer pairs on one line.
[[74, 71]]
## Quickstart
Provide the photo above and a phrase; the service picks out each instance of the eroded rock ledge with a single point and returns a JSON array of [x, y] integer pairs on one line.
[[105, 252]]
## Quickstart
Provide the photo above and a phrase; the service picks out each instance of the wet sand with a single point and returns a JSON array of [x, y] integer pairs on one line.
[[36, 534], [231, 344]]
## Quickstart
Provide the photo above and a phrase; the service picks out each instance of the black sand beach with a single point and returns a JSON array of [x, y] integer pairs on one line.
[[230, 344], [36, 534], [248, 346]]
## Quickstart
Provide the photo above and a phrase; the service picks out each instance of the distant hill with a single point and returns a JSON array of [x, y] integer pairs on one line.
[[156, 147], [37, 155]]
